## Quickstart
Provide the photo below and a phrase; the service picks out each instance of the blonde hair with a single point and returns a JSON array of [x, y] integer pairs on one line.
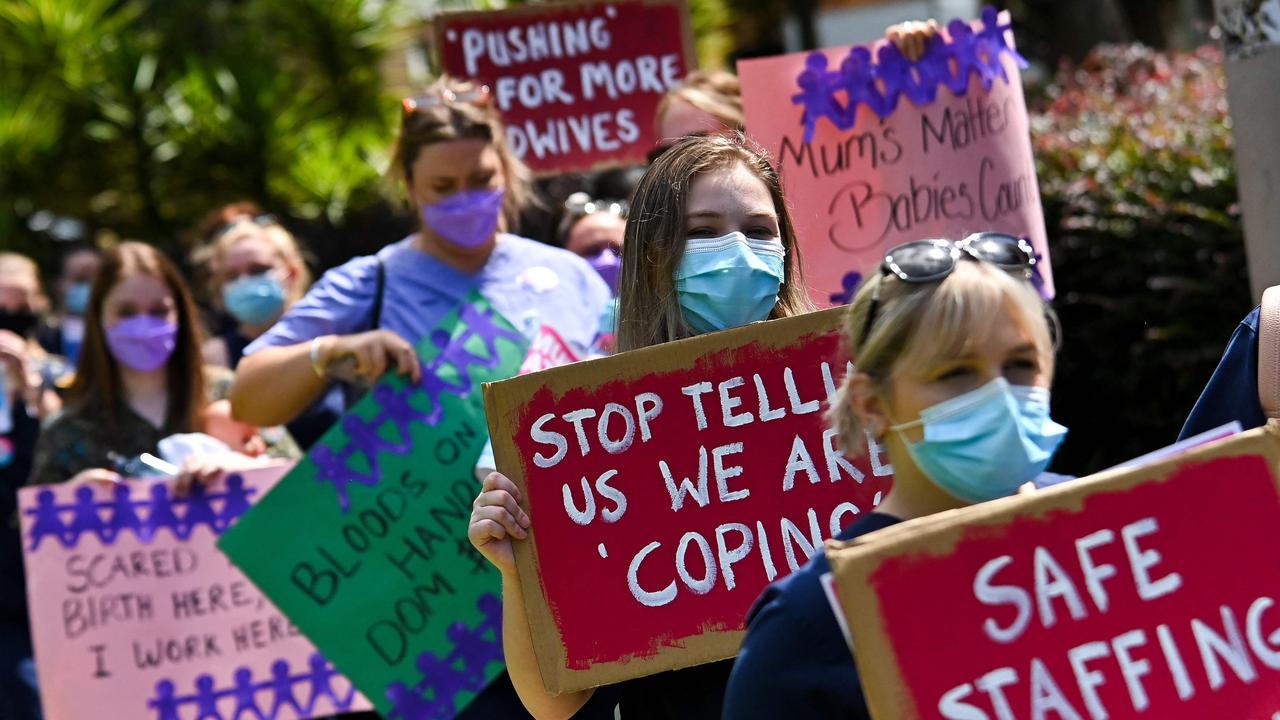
[[919, 325], [210, 256], [450, 118], [654, 241], [14, 266], [714, 92]]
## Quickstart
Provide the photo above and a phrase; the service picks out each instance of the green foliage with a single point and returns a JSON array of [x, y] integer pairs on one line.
[[140, 116], [1137, 176]]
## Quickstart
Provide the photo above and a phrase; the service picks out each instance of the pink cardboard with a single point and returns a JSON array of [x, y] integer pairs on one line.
[[130, 621], [946, 169]]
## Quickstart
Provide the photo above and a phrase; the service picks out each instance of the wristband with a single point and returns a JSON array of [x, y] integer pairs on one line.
[[315, 357]]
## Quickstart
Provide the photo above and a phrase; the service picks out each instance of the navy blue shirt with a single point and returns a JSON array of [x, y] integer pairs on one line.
[[794, 661], [1232, 392]]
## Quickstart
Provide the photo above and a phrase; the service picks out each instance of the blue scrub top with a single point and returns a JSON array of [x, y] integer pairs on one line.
[[794, 661], [1232, 392], [530, 283]]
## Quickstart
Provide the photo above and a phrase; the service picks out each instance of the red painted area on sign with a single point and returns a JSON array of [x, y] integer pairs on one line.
[[577, 85], [1161, 599], [586, 569]]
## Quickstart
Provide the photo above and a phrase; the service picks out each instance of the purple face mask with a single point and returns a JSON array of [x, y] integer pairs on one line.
[[142, 342], [467, 218], [609, 265]]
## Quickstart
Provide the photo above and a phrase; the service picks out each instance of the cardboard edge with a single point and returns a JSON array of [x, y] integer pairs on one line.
[[537, 610], [503, 400], [853, 561]]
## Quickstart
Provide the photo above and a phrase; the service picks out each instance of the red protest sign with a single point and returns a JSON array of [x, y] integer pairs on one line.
[[578, 84], [668, 486], [874, 150], [1148, 591]]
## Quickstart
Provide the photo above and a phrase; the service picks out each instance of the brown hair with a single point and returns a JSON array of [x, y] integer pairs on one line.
[[215, 237], [97, 390], [715, 92], [448, 117], [648, 307], [15, 265]]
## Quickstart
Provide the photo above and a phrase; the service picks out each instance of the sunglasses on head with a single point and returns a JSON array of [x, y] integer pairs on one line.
[[478, 95], [581, 204], [926, 261]]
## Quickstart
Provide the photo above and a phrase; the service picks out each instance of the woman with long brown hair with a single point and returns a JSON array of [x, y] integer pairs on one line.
[[709, 246], [140, 375]]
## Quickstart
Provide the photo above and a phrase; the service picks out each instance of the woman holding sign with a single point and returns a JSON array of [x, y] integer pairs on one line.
[[954, 350], [369, 315], [709, 246]]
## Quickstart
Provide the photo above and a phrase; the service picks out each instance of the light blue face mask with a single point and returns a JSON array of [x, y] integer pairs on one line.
[[729, 281], [986, 443], [254, 299], [77, 298]]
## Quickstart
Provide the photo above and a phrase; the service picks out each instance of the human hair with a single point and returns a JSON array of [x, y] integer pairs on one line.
[[216, 238], [919, 325], [97, 390], [715, 92], [454, 109], [654, 241], [15, 266]]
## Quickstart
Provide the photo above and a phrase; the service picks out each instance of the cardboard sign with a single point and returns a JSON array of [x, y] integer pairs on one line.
[[578, 83], [135, 614], [667, 486], [364, 545], [1141, 592], [874, 153]]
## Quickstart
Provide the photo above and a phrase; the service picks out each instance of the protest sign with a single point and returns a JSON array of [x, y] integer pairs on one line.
[[1140, 591], [877, 152], [136, 614], [364, 545], [667, 486], [577, 83]]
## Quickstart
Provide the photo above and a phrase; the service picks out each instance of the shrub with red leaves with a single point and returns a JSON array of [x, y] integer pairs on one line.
[[1134, 155]]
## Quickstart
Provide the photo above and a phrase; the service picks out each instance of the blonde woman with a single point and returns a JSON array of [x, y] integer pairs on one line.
[[709, 246], [955, 356], [255, 272]]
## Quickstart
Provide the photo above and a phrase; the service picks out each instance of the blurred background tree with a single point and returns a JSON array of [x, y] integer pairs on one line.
[[135, 118], [132, 118]]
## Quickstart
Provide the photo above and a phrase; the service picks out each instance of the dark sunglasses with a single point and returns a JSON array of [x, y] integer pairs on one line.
[[264, 220], [926, 261], [478, 95]]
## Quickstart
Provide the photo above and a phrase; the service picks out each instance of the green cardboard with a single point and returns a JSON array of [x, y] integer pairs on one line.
[[364, 546]]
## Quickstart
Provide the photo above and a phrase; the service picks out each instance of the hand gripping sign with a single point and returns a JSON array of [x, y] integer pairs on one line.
[[875, 150], [136, 614], [364, 545], [667, 486], [1138, 592]]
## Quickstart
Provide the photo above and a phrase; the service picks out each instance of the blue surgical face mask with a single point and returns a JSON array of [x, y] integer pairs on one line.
[[986, 443], [76, 301], [254, 299], [729, 281]]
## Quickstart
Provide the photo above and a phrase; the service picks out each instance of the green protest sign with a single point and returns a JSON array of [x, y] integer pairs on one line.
[[364, 544]]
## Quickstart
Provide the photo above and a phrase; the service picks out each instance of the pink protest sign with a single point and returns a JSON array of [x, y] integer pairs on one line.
[[136, 614], [875, 150], [548, 350]]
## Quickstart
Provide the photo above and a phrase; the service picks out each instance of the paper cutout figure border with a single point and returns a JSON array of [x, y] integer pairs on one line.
[[880, 83], [142, 515], [202, 704], [334, 466], [432, 698]]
